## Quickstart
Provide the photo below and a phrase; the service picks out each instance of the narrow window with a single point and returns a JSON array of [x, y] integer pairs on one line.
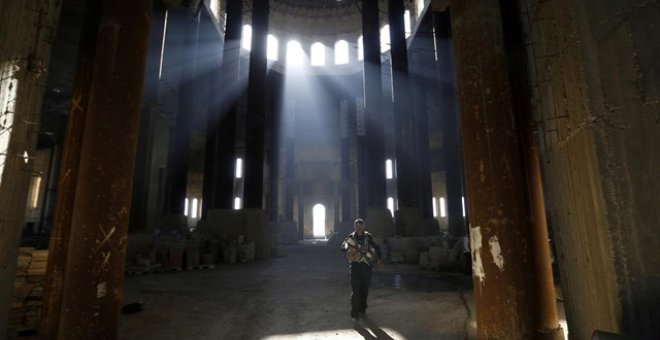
[[35, 187], [420, 7], [385, 39], [390, 205], [341, 52], [247, 37], [272, 46], [435, 207], [193, 210], [237, 203], [318, 54], [443, 207], [294, 54], [463, 202], [360, 48], [239, 168], [406, 23], [185, 207], [388, 169]]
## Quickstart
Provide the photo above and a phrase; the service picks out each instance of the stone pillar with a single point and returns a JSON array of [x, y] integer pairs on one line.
[[143, 164], [255, 124], [406, 160], [95, 264], [289, 154], [179, 148], [68, 176], [276, 85], [360, 146], [226, 89], [421, 58], [504, 293], [451, 148], [345, 171], [373, 141]]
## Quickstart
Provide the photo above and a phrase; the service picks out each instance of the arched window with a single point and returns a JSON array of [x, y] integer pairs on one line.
[[318, 54], [360, 48], [294, 53], [385, 39], [341, 52], [272, 45], [246, 38]]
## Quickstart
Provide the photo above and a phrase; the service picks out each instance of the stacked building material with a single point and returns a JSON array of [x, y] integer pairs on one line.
[[28, 290]]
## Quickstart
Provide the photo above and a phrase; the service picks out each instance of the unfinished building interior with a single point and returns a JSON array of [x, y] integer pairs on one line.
[[501, 152]]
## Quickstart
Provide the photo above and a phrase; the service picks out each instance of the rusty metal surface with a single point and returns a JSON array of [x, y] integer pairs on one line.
[[95, 264], [499, 226]]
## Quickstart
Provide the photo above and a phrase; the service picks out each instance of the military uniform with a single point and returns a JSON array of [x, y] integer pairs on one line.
[[361, 251]]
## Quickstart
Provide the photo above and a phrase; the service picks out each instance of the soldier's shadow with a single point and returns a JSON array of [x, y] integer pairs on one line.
[[370, 330]]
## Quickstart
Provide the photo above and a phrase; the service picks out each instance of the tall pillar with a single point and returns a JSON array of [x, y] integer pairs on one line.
[[179, 147], [548, 327], [226, 89], [275, 107], [143, 164], [406, 160], [289, 154], [68, 176], [451, 147], [419, 63], [255, 124], [345, 170], [504, 293], [95, 264], [373, 172]]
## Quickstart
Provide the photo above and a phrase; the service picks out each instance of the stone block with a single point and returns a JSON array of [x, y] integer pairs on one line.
[[379, 222]]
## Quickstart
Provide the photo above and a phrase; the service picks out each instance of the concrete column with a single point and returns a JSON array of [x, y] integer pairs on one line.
[[504, 293], [373, 171], [406, 160], [143, 164], [179, 148], [27, 31], [548, 327], [95, 264], [255, 124], [276, 85], [360, 146], [419, 62], [68, 176], [289, 154], [451, 148], [226, 89], [345, 170]]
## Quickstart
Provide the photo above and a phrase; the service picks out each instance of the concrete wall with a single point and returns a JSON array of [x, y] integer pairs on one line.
[[26, 34], [595, 75]]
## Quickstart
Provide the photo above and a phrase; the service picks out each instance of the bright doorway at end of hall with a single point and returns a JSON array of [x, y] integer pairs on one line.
[[318, 215]]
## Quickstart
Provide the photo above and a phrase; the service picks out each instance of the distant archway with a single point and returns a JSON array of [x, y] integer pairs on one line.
[[318, 213]]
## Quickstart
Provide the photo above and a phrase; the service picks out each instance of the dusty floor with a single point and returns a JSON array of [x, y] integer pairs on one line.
[[303, 295]]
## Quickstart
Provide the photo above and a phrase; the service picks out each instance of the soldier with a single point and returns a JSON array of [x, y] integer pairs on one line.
[[361, 250]]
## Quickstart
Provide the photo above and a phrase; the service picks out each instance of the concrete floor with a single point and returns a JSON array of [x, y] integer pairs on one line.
[[303, 295]]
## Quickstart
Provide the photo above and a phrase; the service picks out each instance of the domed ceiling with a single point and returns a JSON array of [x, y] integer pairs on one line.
[[318, 20]]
